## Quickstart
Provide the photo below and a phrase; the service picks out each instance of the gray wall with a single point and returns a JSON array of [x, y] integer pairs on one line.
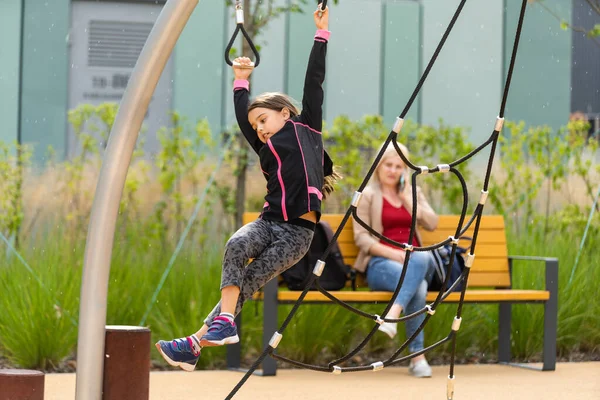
[[463, 87], [377, 51], [540, 90], [401, 59], [10, 27], [45, 75], [199, 67]]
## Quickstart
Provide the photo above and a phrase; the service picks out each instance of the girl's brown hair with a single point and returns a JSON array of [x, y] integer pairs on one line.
[[274, 101]]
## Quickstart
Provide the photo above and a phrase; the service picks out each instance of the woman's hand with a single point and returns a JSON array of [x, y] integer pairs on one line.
[[321, 18], [398, 255], [242, 68]]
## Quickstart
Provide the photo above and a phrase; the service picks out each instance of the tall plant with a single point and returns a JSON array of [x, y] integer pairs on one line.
[[13, 162], [183, 148]]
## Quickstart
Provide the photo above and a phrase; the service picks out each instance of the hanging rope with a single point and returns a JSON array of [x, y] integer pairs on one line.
[[585, 231], [333, 366], [239, 18]]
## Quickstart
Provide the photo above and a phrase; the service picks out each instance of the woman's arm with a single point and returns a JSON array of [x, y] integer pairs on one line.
[[241, 91], [312, 99]]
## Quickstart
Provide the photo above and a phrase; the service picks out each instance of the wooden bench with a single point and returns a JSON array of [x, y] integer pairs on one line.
[[489, 282]]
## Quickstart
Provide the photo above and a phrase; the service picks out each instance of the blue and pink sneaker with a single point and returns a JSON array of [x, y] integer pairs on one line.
[[221, 331], [182, 353]]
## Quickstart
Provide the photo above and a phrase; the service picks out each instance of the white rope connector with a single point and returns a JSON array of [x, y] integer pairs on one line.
[[336, 370], [499, 124], [430, 310], [379, 320], [456, 324], [469, 261], [444, 167], [398, 125], [453, 240], [484, 196], [377, 366], [450, 388], [424, 169], [275, 339], [356, 198], [319, 267], [408, 247], [239, 16]]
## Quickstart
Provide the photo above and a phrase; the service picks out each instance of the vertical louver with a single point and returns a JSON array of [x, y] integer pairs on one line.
[[116, 43]]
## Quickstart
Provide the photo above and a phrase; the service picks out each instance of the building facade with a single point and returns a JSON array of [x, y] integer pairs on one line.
[[56, 55]]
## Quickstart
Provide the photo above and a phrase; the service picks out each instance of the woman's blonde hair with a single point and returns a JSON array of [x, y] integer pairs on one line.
[[391, 151], [274, 101]]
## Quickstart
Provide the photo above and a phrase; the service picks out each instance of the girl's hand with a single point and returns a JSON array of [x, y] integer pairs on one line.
[[242, 68], [321, 21]]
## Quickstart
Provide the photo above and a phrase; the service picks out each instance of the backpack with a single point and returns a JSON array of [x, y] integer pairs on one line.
[[335, 274], [441, 257]]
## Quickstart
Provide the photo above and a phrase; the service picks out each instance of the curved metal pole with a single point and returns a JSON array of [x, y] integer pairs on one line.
[[121, 143]]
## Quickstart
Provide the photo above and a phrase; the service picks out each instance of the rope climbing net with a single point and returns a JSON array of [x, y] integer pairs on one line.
[[336, 366]]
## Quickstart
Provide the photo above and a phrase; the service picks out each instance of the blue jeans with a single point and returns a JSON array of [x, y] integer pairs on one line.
[[383, 274]]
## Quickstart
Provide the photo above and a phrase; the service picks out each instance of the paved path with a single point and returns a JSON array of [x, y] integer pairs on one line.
[[579, 381]]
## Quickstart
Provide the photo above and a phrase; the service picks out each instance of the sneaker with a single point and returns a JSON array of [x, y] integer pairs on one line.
[[389, 328], [182, 353], [420, 369], [221, 331]]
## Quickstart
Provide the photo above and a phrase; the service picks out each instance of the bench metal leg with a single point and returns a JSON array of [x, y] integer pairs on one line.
[[504, 332], [269, 364], [234, 351], [550, 316]]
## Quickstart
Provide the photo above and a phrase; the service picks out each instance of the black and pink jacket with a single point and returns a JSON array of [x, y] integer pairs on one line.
[[293, 160]]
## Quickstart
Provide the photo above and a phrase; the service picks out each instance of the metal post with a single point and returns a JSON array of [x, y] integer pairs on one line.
[[269, 364], [504, 326], [550, 315], [123, 136]]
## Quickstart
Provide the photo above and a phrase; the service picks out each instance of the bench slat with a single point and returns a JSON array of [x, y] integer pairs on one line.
[[445, 221], [480, 296], [479, 265], [486, 236], [483, 251], [476, 280]]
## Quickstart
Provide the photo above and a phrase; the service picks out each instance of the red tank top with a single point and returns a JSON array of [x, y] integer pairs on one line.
[[396, 223]]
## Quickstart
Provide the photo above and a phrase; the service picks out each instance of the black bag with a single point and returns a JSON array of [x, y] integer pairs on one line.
[[335, 274], [441, 256]]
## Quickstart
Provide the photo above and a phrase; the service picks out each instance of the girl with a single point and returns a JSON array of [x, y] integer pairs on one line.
[[299, 174], [386, 206]]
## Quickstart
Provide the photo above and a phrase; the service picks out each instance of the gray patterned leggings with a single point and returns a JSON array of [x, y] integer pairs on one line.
[[274, 247]]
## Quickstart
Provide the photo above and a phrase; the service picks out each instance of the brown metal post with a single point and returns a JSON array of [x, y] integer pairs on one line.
[[21, 384], [126, 363]]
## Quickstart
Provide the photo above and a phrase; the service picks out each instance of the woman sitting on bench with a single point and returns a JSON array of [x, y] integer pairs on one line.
[[386, 206]]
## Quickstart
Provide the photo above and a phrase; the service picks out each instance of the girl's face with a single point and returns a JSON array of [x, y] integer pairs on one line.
[[390, 170], [267, 122]]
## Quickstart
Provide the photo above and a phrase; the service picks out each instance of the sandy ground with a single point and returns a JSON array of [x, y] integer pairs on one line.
[[489, 382]]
